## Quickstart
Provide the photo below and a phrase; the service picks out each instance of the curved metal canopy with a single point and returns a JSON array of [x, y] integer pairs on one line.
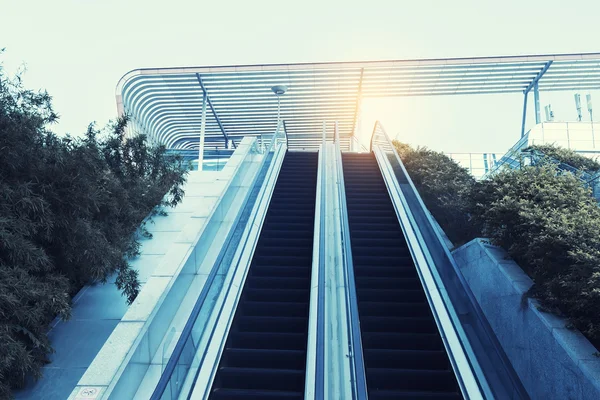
[[166, 103]]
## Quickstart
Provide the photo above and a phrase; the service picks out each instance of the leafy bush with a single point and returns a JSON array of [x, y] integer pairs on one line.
[[444, 187], [567, 156], [69, 208], [545, 218], [550, 225]]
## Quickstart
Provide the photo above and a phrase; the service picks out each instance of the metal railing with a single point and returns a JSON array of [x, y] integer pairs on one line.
[[459, 309], [171, 381], [353, 325]]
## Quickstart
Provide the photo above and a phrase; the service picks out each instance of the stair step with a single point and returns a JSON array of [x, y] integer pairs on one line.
[[259, 378], [278, 295], [265, 358], [410, 395], [411, 379], [249, 394], [407, 359], [387, 283], [401, 341], [392, 295], [276, 271], [259, 282]]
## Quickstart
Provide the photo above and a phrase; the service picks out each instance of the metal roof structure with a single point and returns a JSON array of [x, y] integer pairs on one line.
[[166, 103]]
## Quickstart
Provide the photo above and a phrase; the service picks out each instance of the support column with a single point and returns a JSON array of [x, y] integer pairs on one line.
[[536, 94], [202, 132], [524, 114]]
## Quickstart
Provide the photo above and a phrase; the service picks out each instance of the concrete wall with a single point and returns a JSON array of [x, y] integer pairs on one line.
[[552, 361]]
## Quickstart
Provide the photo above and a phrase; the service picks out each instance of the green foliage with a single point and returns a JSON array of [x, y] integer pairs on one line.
[[549, 223], [567, 156], [444, 186], [545, 218], [70, 209]]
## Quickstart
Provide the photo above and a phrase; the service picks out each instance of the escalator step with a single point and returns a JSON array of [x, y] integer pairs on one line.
[[258, 282], [401, 341], [249, 394], [398, 324], [277, 295], [412, 379], [407, 395], [271, 324], [407, 359], [391, 295], [265, 358], [262, 378]]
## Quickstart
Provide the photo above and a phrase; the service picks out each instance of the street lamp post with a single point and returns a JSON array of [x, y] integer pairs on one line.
[[279, 90]]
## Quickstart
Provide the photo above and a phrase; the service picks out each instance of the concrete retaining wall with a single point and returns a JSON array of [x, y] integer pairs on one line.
[[552, 361]]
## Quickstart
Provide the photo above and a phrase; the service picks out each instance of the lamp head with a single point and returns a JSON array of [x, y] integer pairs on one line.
[[279, 89]]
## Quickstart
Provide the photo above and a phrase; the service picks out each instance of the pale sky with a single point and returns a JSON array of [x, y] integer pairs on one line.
[[79, 49]]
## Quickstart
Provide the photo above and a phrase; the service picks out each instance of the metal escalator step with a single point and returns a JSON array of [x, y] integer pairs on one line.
[[260, 282], [278, 295], [414, 295], [261, 379], [402, 341], [303, 260], [410, 395], [398, 324], [277, 271], [383, 309], [283, 232], [393, 271], [258, 308], [265, 358], [369, 242], [407, 359], [390, 261], [387, 251], [387, 283], [283, 251], [366, 226], [271, 324], [287, 226], [411, 379], [249, 394]]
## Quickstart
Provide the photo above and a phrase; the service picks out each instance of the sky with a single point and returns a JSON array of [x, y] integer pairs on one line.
[[78, 50]]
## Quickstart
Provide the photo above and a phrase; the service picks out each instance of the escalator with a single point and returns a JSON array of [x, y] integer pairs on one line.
[[265, 353], [404, 356]]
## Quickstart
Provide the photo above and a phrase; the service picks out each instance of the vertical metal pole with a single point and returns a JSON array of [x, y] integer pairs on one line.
[[278, 113], [536, 94], [202, 132], [524, 114], [336, 136]]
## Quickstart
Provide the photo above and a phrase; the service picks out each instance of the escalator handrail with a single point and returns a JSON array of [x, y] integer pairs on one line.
[[319, 386], [187, 329], [353, 322], [517, 386]]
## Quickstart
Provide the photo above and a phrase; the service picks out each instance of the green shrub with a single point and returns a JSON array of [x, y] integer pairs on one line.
[[444, 187], [550, 225], [567, 156], [69, 208]]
